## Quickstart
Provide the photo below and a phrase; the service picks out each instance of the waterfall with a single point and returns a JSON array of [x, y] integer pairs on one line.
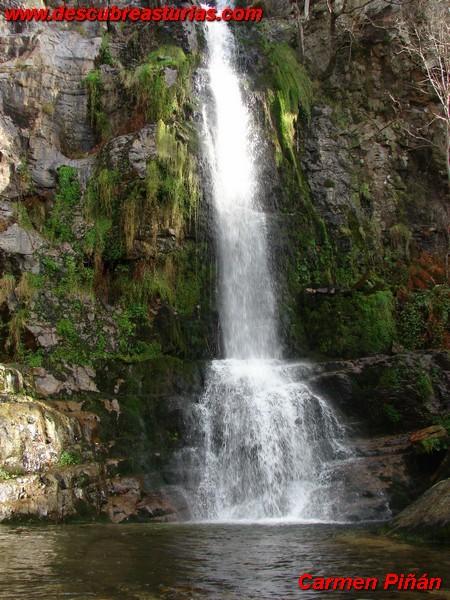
[[265, 442]]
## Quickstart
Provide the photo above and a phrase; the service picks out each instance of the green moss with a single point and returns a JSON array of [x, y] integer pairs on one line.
[[96, 236], [107, 186], [98, 118], [23, 218], [350, 326], [290, 95], [75, 350], [392, 414], [7, 285], [24, 176], [424, 318], [8, 474], [176, 178], [290, 80], [34, 359], [66, 329], [431, 445], [16, 327], [103, 209], [148, 82], [72, 278], [400, 238], [142, 351], [138, 291], [93, 83]]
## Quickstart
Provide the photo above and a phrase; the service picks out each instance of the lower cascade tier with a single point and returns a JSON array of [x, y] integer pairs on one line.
[[264, 446]]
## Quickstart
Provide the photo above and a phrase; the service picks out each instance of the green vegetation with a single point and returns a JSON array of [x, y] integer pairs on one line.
[[434, 444], [104, 55], [118, 256], [59, 224], [24, 176], [353, 325], [7, 285], [98, 118], [392, 414], [16, 328], [424, 318], [23, 218], [34, 359], [7, 474], [291, 93], [69, 459], [149, 87]]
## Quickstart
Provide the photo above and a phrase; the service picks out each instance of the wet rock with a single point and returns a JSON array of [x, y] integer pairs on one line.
[[55, 496], [377, 481], [401, 393], [156, 507], [127, 501], [428, 517], [78, 379]]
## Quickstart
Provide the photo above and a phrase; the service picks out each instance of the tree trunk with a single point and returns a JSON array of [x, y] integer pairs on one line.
[[306, 12]]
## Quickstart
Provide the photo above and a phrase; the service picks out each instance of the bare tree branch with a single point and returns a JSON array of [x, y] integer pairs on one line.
[[428, 43]]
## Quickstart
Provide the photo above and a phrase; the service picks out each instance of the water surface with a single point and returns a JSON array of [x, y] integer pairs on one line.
[[240, 561]]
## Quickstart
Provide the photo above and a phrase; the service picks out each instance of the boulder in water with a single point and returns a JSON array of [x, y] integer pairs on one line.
[[428, 517]]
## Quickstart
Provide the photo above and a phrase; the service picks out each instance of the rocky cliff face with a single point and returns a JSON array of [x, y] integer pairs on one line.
[[106, 266], [106, 271]]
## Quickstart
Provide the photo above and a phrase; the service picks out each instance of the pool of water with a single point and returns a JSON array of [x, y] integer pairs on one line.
[[239, 561]]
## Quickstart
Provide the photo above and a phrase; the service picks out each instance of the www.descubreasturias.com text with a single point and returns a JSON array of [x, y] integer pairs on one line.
[[115, 13]]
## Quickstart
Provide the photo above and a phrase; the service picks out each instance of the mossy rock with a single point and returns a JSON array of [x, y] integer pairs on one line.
[[352, 325]]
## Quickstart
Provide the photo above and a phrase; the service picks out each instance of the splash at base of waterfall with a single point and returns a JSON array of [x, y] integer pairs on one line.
[[268, 445]]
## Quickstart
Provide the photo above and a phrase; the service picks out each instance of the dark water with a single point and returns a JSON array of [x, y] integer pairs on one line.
[[144, 562]]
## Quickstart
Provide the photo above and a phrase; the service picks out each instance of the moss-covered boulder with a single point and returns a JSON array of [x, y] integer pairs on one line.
[[350, 325], [428, 518]]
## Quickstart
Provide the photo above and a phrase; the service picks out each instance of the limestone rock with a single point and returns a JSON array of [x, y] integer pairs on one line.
[[33, 435], [42, 84], [45, 335], [11, 380], [82, 379], [135, 148], [16, 240], [47, 385]]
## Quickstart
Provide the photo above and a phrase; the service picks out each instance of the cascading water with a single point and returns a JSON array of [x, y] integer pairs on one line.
[[266, 441]]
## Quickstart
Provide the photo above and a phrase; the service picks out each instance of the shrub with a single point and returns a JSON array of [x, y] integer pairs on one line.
[[69, 459]]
